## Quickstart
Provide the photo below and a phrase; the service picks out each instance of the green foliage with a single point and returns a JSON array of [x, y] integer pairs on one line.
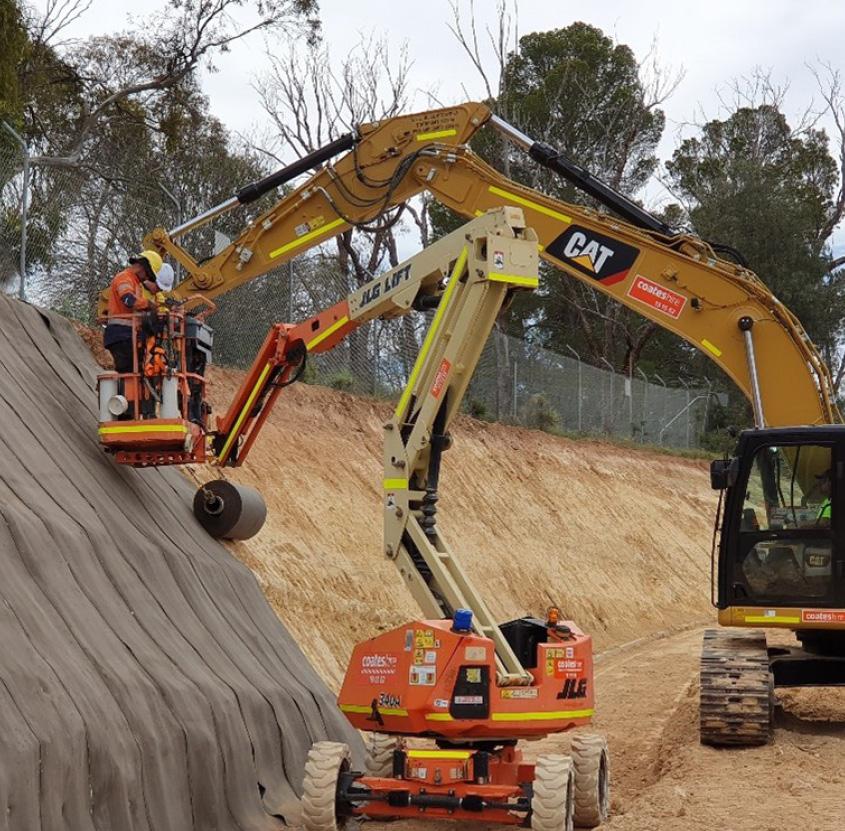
[[342, 380], [538, 413], [580, 92], [755, 185], [476, 408], [13, 43]]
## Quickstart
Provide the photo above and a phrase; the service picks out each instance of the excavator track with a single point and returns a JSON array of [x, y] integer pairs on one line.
[[737, 693]]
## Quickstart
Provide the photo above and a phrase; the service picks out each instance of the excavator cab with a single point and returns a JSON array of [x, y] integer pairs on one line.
[[781, 564], [157, 413], [780, 546]]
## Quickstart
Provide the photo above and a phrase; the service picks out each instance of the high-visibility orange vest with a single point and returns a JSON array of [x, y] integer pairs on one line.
[[125, 282]]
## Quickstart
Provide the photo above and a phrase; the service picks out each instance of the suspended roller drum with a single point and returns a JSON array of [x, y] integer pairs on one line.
[[229, 511]]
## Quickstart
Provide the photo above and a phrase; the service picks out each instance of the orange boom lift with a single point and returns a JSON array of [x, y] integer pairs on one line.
[[456, 677]]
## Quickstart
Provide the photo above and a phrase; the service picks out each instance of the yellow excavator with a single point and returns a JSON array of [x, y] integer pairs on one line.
[[778, 560]]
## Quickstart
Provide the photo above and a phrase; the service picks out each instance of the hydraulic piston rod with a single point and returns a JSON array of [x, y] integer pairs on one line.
[[547, 156], [254, 190], [746, 324]]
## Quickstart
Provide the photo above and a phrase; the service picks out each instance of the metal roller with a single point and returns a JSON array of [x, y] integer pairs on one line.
[[229, 511]]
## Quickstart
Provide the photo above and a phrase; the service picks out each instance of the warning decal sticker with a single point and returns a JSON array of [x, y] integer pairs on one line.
[[662, 299]]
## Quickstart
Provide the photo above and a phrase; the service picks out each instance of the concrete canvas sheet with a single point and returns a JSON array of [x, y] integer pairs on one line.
[[146, 683]]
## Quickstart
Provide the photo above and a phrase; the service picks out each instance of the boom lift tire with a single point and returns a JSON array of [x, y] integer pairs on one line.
[[592, 779], [326, 761], [736, 704], [553, 800], [379, 749], [229, 511]]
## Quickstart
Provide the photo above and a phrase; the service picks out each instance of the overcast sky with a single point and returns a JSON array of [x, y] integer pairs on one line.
[[712, 42]]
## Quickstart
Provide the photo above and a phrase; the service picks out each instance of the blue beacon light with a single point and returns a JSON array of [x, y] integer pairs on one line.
[[462, 621]]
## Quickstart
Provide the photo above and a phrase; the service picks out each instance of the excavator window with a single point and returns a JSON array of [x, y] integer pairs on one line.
[[786, 526]]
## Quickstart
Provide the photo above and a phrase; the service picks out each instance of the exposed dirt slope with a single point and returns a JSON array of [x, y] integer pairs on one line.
[[144, 681], [619, 538]]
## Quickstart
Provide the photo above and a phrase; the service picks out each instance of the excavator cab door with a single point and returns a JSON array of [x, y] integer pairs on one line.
[[782, 531]]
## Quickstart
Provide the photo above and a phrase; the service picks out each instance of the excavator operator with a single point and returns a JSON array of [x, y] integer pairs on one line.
[[823, 516]]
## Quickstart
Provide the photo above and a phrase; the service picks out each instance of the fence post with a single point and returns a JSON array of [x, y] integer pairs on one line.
[[514, 408], [686, 387], [580, 400], [24, 205], [706, 409], [645, 399], [609, 429], [665, 402]]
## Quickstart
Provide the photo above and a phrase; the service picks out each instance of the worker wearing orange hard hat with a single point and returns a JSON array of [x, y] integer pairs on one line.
[[126, 297]]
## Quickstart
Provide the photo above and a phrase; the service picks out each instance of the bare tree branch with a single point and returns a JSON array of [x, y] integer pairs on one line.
[[829, 81], [187, 33]]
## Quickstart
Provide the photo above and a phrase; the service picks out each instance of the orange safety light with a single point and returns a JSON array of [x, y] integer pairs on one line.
[[553, 616]]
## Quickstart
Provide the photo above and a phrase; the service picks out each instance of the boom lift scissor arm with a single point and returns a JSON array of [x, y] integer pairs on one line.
[[675, 280]]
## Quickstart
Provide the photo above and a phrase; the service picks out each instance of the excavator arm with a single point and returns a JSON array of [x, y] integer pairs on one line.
[[676, 280]]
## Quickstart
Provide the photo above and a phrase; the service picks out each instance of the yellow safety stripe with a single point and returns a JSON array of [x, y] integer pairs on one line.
[[771, 619], [530, 282], [143, 428], [436, 135], [364, 708], [438, 717], [552, 716], [330, 331], [432, 331], [323, 229], [395, 484], [521, 200], [439, 754], [711, 347], [233, 434]]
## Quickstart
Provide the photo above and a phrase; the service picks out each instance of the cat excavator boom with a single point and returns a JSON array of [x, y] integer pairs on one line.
[[677, 280]]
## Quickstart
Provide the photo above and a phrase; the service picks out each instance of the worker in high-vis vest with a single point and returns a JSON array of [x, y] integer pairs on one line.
[[126, 297], [823, 516]]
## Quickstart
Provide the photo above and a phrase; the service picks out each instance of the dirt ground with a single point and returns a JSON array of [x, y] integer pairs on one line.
[[620, 538]]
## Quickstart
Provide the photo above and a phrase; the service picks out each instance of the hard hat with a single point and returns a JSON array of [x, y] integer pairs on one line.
[[152, 258], [165, 277]]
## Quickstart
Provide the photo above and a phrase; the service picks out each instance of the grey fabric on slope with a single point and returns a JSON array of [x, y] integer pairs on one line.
[[144, 681]]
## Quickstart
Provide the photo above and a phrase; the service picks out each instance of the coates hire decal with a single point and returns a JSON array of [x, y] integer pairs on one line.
[[596, 255]]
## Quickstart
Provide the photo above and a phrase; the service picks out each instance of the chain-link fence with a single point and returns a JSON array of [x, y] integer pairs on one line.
[[46, 216], [516, 381]]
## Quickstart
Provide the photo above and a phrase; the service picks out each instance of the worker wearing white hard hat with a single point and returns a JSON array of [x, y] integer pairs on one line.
[[165, 277]]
